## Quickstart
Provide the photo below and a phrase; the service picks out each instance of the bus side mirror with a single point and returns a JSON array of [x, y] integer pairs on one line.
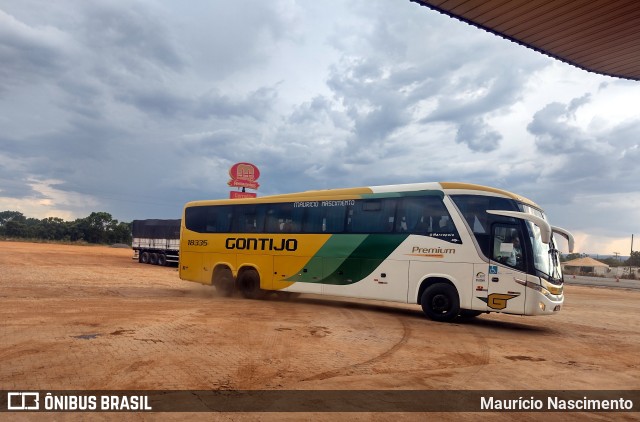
[[564, 233], [545, 228]]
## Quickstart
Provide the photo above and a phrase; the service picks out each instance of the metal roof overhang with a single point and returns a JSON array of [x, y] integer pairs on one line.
[[601, 36]]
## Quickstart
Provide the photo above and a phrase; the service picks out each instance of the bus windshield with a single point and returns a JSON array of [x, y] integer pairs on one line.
[[545, 256]]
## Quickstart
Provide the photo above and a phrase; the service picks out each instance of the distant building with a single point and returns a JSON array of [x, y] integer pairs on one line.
[[590, 266], [585, 266]]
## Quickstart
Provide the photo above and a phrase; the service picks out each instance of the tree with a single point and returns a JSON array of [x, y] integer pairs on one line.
[[15, 228], [96, 227], [121, 233], [611, 261], [11, 216], [52, 228], [572, 256], [634, 259]]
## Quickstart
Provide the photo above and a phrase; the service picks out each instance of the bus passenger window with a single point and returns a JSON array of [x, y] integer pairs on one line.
[[373, 216]]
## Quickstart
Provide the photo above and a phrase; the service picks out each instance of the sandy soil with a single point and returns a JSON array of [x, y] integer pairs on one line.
[[86, 317]]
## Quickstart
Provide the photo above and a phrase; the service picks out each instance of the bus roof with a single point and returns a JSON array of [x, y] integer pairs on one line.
[[359, 192]]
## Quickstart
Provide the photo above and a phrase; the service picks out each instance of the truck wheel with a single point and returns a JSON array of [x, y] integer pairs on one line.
[[223, 281], [249, 284], [153, 258], [440, 302], [144, 257], [162, 259]]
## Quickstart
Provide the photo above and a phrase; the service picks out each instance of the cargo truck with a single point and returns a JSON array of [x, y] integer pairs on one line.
[[155, 241]]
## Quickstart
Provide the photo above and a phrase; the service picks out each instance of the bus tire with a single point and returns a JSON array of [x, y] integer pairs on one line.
[[249, 284], [468, 313], [144, 257], [223, 281], [162, 259], [153, 258], [440, 302]]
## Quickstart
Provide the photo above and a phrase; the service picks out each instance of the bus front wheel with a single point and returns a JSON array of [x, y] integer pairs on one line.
[[249, 284], [440, 302]]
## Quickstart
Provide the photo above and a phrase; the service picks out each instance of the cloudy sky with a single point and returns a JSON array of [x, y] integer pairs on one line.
[[136, 107]]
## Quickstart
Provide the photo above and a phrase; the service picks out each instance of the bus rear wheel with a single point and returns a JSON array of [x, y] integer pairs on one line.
[[144, 258], [223, 281], [440, 302], [249, 284]]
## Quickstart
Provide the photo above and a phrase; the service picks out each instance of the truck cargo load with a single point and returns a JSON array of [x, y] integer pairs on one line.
[[156, 241]]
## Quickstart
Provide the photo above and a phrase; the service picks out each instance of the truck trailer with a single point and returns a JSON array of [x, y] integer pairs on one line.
[[156, 242]]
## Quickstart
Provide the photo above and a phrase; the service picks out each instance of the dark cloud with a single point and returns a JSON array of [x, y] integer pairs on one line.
[[383, 85], [130, 35], [554, 132], [478, 135], [585, 173], [256, 104], [15, 187], [138, 107], [230, 37], [28, 54]]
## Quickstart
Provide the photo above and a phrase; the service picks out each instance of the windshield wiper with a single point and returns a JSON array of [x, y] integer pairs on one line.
[[555, 264]]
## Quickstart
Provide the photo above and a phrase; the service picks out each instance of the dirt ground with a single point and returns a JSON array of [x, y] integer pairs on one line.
[[91, 318]]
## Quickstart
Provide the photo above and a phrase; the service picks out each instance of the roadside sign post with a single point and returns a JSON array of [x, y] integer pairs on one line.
[[245, 176]]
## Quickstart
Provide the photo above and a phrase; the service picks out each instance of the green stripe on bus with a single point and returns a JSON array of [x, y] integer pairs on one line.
[[348, 258], [329, 257], [365, 258]]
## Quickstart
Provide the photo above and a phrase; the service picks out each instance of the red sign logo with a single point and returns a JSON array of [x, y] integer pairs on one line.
[[239, 195], [244, 175], [244, 171]]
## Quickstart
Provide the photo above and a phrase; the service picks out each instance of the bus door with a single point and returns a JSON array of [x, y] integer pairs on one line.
[[506, 264]]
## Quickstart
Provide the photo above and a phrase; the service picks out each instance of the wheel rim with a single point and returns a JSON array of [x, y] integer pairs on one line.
[[441, 304]]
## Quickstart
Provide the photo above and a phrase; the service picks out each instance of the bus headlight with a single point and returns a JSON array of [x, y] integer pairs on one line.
[[553, 289], [534, 286]]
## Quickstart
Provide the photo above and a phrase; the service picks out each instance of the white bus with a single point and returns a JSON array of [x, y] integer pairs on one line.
[[456, 249]]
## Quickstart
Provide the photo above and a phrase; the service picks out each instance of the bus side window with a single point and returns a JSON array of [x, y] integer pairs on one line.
[[425, 215], [313, 220], [373, 216], [216, 219], [324, 219], [247, 219], [196, 219], [410, 214], [283, 218], [272, 225], [333, 221]]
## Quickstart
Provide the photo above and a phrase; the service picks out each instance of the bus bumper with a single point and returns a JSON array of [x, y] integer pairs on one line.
[[540, 304]]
